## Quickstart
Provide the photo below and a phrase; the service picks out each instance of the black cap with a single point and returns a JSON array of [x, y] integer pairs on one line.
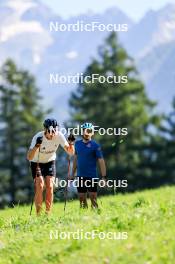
[[50, 122]]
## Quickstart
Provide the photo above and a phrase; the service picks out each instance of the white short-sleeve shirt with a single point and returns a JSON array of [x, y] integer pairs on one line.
[[48, 148]]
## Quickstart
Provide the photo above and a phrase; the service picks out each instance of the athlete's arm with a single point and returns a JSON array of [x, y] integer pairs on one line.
[[69, 149], [102, 166], [67, 145], [31, 153], [36, 143]]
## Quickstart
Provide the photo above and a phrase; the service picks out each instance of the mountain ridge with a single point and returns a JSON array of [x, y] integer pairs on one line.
[[26, 29]]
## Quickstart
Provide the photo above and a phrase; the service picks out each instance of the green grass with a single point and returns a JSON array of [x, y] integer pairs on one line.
[[147, 217]]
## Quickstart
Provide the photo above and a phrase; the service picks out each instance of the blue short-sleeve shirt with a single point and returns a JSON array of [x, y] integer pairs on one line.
[[87, 156]]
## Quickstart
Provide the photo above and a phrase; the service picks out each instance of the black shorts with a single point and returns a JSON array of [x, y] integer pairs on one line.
[[43, 169], [86, 184]]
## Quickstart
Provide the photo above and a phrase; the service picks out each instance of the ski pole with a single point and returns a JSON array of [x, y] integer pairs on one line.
[[66, 189], [37, 173]]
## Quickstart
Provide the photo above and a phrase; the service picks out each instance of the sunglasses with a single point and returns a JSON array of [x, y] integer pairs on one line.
[[52, 130], [89, 131]]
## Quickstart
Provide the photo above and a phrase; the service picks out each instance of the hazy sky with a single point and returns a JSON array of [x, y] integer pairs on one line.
[[134, 8]]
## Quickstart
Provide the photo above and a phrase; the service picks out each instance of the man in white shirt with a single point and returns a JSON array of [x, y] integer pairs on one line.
[[42, 156]]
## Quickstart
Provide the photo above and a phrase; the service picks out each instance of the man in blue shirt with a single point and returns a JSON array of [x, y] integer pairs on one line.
[[87, 154]]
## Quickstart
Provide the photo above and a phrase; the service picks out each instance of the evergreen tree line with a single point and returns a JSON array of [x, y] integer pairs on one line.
[[145, 157]]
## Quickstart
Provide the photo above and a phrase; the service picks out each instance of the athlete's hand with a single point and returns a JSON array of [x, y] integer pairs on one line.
[[71, 138], [39, 141], [104, 179], [71, 177]]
